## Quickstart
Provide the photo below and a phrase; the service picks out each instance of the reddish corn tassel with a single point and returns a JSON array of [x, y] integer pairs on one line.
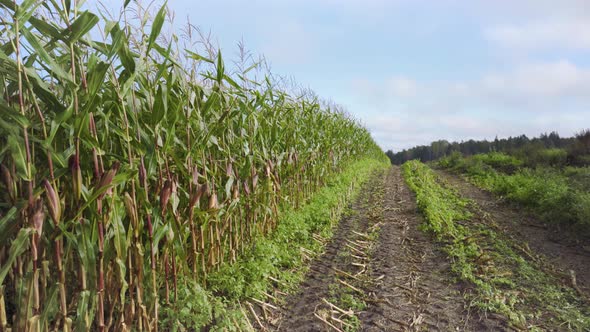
[[142, 174], [236, 192], [165, 194], [53, 202], [213, 203], [267, 170], [197, 195], [255, 181], [7, 180], [37, 215], [36, 218], [107, 178], [207, 189], [195, 174], [131, 212], [246, 187], [254, 175], [229, 169]]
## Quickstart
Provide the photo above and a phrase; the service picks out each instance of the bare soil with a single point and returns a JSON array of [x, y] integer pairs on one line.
[[410, 285], [571, 257], [302, 306]]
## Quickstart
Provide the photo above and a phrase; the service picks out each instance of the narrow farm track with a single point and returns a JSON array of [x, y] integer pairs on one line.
[[302, 307], [416, 291], [406, 282], [556, 246]]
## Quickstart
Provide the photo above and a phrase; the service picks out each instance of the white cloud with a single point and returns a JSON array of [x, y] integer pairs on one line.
[[565, 33], [402, 87], [288, 43], [528, 83], [543, 82], [530, 98]]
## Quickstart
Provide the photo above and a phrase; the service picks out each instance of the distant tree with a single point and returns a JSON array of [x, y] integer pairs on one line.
[[583, 139], [555, 139], [390, 155], [579, 150]]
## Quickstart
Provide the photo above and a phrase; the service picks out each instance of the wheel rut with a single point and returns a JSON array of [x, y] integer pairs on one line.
[[405, 280]]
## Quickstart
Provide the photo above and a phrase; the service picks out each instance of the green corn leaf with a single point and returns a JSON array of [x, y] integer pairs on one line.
[[220, 68], [45, 28], [213, 140], [228, 186], [82, 311], [8, 65], [213, 99], [96, 76], [18, 154], [124, 285], [9, 112], [160, 105], [166, 53], [8, 4], [121, 48], [250, 68], [65, 115], [17, 247], [160, 233], [8, 224], [25, 11], [51, 307], [157, 26], [68, 6], [82, 25], [197, 57], [49, 60], [232, 83], [119, 238]]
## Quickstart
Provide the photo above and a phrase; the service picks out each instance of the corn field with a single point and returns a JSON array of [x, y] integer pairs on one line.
[[128, 159]]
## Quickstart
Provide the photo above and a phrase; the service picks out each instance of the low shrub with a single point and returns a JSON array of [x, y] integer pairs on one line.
[[558, 197], [499, 161], [548, 157]]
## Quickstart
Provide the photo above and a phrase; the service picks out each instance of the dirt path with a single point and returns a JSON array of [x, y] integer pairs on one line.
[[418, 291], [563, 253], [406, 282], [302, 306]]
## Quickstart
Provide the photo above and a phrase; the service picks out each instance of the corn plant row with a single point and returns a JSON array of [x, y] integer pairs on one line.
[[128, 160]]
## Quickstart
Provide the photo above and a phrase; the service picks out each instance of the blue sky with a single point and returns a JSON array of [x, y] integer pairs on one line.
[[414, 71]]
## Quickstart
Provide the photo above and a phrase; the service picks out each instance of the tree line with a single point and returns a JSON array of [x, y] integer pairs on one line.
[[575, 150]]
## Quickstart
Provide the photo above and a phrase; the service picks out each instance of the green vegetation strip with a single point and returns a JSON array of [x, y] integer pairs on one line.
[[557, 195], [505, 277]]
